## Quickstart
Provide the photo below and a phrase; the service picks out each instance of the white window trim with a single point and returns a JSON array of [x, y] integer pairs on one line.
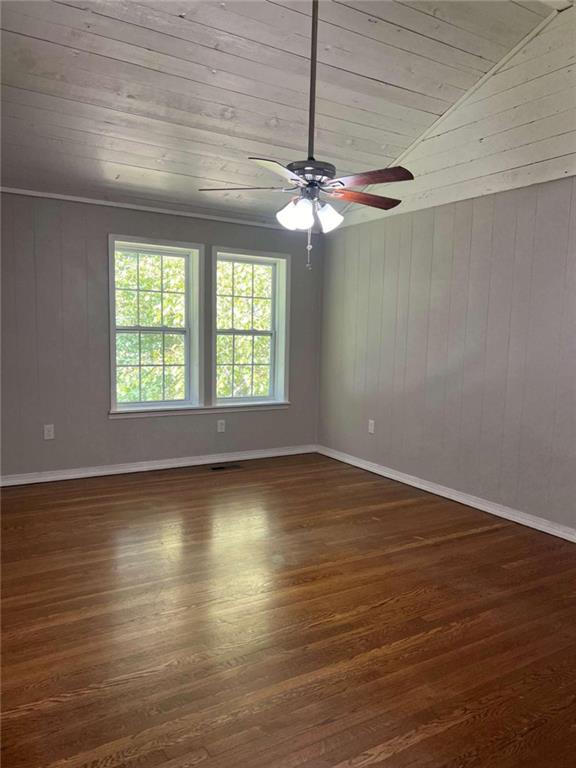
[[195, 325], [281, 309], [135, 413], [202, 307]]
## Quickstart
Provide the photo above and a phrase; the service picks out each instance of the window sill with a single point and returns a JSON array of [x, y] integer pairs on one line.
[[188, 410]]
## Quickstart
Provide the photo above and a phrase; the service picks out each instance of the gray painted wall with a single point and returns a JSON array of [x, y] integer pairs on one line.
[[55, 350], [455, 329]]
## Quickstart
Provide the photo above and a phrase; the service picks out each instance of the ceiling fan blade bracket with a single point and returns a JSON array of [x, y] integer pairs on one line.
[[332, 185]]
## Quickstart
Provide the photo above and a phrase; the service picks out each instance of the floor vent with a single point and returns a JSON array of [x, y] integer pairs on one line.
[[224, 467]]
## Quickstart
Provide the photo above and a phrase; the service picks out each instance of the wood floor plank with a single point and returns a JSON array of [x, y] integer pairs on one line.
[[290, 612]]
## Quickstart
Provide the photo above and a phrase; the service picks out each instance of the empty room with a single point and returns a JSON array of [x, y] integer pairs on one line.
[[288, 387]]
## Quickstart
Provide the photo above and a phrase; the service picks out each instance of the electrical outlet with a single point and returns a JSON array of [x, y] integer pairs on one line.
[[48, 431], [371, 426], [221, 425]]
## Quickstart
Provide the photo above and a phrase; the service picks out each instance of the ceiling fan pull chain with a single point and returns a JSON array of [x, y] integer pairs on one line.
[[309, 250]]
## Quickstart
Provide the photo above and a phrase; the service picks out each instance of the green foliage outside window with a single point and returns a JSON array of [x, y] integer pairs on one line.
[[244, 293], [152, 331], [150, 294]]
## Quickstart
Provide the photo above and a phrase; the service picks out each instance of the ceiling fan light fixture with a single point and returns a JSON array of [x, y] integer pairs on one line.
[[287, 215], [328, 217], [297, 215]]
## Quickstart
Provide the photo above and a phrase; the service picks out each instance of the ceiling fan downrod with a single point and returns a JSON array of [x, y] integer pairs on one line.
[[312, 110], [313, 62]]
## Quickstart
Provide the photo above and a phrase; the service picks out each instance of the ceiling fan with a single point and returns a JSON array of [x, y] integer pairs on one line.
[[311, 180]]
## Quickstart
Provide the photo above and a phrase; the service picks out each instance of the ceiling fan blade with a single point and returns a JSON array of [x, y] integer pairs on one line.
[[382, 176], [241, 189], [275, 167], [363, 198]]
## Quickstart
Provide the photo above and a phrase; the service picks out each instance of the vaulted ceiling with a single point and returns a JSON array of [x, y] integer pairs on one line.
[[144, 102]]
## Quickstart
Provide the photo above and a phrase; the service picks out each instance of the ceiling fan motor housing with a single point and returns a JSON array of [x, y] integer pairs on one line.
[[313, 170]]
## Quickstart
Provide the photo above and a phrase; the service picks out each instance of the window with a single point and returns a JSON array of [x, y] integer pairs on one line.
[[155, 292], [246, 327], [174, 346]]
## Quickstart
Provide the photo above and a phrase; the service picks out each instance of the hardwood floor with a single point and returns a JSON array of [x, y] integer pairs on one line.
[[292, 612]]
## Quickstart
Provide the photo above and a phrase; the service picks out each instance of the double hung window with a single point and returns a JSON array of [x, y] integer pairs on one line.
[[166, 329]]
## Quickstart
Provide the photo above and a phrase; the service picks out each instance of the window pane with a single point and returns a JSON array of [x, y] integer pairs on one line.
[[262, 380], [243, 314], [174, 274], [126, 308], [224, 277], [174, 310], [224, 349], [224, 312], [262, 349], [150, 273], [242, 279], [244, 296], [262, 314], [151, 383], [126, 270], [152, 296], [243, 350], [127, 352], [174, 386], [262, 280], [150, 349], [224, 381], [150, 308], [128, 385], [174, 351], [242, 380]]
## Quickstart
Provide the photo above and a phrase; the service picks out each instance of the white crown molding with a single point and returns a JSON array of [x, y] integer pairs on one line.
[[147, 466], [134, 207], [515, 515]]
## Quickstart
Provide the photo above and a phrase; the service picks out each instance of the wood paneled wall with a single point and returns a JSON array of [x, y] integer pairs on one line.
[[517, 128], [455, 329], [55, 341]]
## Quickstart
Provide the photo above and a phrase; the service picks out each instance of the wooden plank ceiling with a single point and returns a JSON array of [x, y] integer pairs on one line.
[[144, 102], [517, 128]]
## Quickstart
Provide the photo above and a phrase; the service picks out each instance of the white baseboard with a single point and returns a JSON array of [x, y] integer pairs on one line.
[[539, 523], [563, 531], [147, 466]]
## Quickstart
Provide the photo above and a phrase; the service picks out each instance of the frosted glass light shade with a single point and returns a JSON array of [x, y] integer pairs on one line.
[[329, 217], [297, 215], [287, 215]]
